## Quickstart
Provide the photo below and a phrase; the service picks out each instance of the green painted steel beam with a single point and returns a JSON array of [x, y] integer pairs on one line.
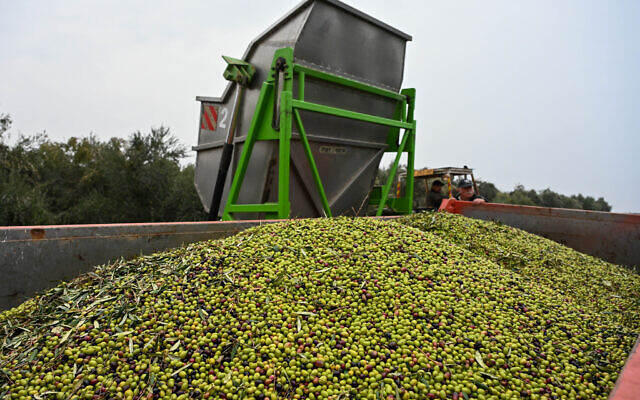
[[312, 164], [251, 208], [348, 82], [284, 151], [339, 112], [392, 173], [243, 163], [411, 152], [301, 78]]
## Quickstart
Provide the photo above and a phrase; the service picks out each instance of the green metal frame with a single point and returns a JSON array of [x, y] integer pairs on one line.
[[262, 128]]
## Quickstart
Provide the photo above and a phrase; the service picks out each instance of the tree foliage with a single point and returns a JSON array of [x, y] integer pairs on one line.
[[549, 198], [140, 179], [85, 180]]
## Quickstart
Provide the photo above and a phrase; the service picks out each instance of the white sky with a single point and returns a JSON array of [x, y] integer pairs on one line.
[[543, 93]]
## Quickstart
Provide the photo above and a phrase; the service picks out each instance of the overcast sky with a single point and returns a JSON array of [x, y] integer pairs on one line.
[[543, 93]]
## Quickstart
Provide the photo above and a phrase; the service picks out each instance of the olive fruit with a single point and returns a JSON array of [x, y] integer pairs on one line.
[[329, 309]]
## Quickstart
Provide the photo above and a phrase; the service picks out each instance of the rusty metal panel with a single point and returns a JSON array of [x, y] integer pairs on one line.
[[35, 258], [611, 236]]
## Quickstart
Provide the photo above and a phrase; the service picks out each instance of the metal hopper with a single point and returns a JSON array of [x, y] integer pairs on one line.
[[338, 59]]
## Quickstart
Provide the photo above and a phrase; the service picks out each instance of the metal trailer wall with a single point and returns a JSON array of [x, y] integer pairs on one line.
[[36, 258], [610, 236]]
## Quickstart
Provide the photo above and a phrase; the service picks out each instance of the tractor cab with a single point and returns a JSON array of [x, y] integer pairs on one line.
[[448, 176]]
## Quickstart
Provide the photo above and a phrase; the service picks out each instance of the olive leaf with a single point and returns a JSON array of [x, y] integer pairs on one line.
[[478, 358], [176, 372], [234, 351], [489, 375]]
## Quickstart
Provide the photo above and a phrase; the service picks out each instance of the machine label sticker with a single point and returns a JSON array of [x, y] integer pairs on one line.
[[333, 150], [223, 121], [209, 119]]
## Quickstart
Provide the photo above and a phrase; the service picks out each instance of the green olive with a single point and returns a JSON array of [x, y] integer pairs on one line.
[[428, 306]]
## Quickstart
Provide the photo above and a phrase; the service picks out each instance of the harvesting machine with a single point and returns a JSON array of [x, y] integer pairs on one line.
[[305, 128]]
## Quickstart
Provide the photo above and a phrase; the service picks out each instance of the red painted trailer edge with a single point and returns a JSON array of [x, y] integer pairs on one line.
[[628, 383]]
